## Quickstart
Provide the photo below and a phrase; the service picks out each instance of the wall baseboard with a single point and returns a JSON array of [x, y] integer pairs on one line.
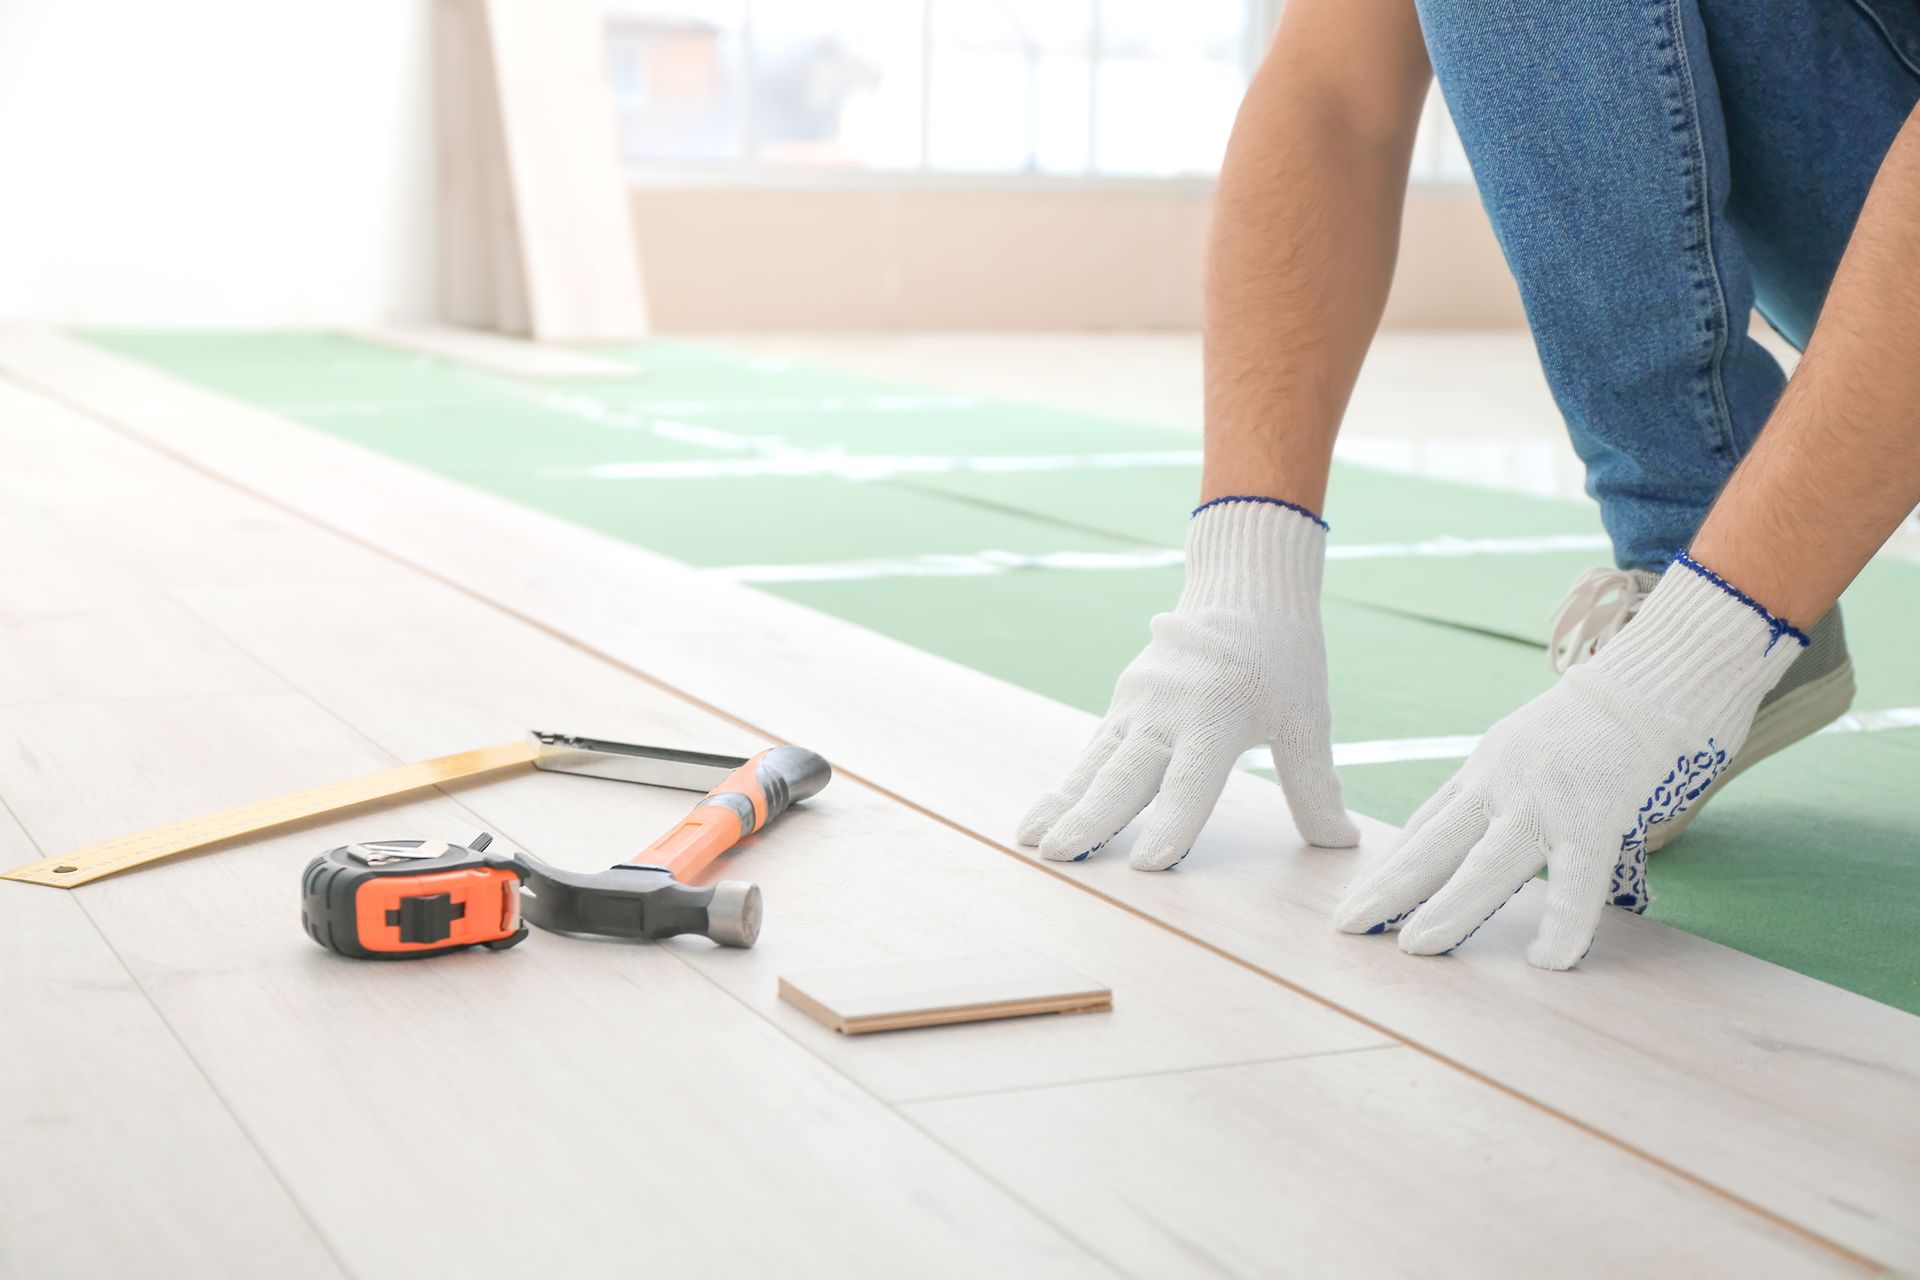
[[878, 257]]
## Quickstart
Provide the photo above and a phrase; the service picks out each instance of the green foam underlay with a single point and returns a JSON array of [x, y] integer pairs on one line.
[[1809, 860]]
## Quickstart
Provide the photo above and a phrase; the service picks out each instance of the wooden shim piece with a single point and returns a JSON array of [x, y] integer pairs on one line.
[[931, 993]]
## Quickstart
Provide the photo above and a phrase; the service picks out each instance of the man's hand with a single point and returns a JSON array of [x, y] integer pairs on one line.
[[1576, 779], [1239, 662]]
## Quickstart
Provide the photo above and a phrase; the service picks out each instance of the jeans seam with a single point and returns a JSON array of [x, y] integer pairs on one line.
[[1696, 165], [1893, 46]]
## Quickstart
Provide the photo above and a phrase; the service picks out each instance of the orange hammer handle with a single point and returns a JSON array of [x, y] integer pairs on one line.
[[745, 802]]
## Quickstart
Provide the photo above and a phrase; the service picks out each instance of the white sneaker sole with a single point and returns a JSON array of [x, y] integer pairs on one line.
[[1789, 718]]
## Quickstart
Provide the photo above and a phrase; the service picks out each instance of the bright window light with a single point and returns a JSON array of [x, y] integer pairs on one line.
[[678, 70], [1077, 88], [836, 84]]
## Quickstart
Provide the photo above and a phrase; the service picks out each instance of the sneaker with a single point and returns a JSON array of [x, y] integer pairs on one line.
[[1816, 691]]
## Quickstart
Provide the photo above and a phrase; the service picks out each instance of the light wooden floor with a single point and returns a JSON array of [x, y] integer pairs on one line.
[[202, 605]]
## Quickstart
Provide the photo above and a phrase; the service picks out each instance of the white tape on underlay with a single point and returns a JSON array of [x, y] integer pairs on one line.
[[982, 564], [633, 414], [1447, 546], [645, 418], [978, 564], [1876, 721], [760, 455], [818, 404], [870, 466], [1460, 746], [648, 418]]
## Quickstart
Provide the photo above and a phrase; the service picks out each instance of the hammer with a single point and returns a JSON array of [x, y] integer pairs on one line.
[[651, 895]]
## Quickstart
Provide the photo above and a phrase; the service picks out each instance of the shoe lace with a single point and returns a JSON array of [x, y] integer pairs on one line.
[[1600, 602]]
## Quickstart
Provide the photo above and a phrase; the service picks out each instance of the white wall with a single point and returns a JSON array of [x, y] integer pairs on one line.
[[215, 162]]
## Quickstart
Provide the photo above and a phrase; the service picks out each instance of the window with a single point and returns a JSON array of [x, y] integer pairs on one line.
[[1077, 87], [1120, 88]]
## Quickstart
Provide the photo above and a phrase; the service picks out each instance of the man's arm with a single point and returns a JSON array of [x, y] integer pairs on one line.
[[1306, 225], [1838, 466], [1306, 222]]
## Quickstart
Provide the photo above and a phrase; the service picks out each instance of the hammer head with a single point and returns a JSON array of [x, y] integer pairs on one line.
[[733, 913], [634, 901]]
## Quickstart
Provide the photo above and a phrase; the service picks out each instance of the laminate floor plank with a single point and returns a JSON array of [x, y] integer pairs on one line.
[[75, 627], [47, 454]]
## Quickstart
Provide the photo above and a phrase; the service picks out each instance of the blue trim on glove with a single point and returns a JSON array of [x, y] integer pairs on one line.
[[1274, 502], [1776, 627]]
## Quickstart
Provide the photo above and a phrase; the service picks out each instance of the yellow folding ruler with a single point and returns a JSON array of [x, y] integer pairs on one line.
[[658, 766]]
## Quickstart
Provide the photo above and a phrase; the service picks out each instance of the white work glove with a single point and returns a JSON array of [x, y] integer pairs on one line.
[[1239, 662], [1576, 779]]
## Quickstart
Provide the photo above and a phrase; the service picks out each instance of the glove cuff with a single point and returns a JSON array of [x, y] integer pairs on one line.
[[1699, 639], [1253, 551]]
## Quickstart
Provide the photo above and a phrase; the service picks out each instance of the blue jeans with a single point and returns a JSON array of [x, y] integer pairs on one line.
[[1654, 169]]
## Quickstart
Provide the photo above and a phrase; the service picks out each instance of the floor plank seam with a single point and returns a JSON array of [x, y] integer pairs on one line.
[[1195, 1069], [14, 814], [253, 1143], [138, 436], [339, 1263], [1005, 508]]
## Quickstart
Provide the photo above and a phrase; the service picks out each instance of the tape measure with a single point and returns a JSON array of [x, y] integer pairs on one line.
[[126, 852]]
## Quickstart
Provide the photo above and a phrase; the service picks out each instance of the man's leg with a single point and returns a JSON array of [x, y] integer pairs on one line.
[[1596, 137], [1812, 94]]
